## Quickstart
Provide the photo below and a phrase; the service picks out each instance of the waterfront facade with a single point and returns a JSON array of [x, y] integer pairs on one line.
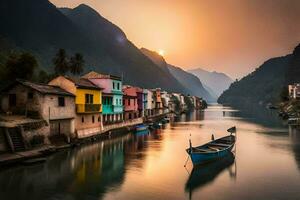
[[148, 102], [294, 91], [130, 98], [157, 101], [112, 96], [165, 97], [140, 101], [88, 100]]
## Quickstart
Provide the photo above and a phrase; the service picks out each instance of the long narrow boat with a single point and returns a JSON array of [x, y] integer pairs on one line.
[[213, 150]]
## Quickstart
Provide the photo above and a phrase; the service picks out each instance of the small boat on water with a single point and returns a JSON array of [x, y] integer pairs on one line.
[[141, 127], [167, 119], [213, 150]]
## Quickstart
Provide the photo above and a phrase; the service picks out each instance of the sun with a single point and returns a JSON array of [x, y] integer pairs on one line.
[[161, 52]]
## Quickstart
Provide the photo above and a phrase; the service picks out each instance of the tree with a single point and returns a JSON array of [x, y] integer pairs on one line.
[[60, 61], [77, 64], [43, 76], [284, 94], [20, 66]]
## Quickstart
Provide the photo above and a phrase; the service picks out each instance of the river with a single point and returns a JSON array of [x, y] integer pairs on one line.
[[151, 166]]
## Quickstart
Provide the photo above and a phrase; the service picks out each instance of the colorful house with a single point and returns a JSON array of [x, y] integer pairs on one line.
[[145, 102], [130, 102], [140, 101], [112, 95], [166, 98], [158, 106], [88, 100], [294, 91], [197, 101]]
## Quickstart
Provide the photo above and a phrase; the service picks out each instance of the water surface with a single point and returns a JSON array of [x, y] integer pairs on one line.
[[150, 166]]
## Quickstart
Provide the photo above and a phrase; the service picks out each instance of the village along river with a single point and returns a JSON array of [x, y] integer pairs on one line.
[[151, 166]]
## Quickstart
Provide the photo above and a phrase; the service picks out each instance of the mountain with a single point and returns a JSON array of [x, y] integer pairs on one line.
[[39, 27], [260, 87], [215, 81], [192, 84]]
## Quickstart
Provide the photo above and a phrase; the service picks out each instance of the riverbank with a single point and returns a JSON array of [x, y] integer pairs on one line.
[[109, 131]]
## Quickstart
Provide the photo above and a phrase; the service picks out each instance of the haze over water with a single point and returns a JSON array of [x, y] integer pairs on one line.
[[150, 166]]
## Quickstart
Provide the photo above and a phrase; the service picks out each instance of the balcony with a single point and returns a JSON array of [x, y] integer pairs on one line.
[[88, 108], [115, 91], [118, 108], [107, 109]]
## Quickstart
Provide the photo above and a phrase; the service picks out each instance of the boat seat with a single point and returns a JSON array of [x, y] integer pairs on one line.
[[213, 148], [221, 145], [203, 150]]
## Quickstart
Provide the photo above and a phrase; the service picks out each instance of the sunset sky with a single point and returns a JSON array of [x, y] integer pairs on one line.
[[231, 36]]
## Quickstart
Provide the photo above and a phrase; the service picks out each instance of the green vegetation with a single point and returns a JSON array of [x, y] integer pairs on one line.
[[260, 87], [176, 102], [267, 84], [60, 61], [24, 65], [76, 64], [189, 103], [63, 65]]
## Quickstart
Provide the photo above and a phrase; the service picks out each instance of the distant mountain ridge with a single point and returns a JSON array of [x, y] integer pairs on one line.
[[266, 84], [41, 28], [192, 84], [215, 81]]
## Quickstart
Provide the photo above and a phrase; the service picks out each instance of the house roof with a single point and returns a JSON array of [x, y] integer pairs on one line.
[[42, 88], [84, 83], [96, 75]]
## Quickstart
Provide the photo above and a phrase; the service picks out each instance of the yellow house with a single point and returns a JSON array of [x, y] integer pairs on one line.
[[88, 100]]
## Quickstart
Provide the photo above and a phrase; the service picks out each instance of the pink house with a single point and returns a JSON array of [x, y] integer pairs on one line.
[[130, 102]]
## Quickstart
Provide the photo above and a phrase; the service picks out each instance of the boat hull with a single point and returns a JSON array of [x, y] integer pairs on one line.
[[201, 158], [141, 127], [212, 151]]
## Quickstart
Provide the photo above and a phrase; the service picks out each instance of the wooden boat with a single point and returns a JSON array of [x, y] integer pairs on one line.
[[213, 150], [141, 127]]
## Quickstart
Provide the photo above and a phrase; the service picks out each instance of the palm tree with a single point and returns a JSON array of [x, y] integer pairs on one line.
[[60, 61], [77, 64]]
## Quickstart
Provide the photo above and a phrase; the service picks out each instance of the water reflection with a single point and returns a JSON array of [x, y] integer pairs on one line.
[[86, 172], [260, 115], [205, 174], [150, 165]]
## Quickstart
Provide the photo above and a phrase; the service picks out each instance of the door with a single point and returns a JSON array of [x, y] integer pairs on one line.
[[54, 128], [12, 100]]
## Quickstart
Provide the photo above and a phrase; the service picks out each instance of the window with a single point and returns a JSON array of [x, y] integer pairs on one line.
[[129, 101], [99, 119], [93, 119], [61, 101], [89, 99], [30, 95], [82, 119], [113, 85], [118, 86]]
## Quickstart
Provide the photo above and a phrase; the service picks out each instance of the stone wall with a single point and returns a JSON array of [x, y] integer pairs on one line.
[[87, 122], [23, 102], [52, 111]]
